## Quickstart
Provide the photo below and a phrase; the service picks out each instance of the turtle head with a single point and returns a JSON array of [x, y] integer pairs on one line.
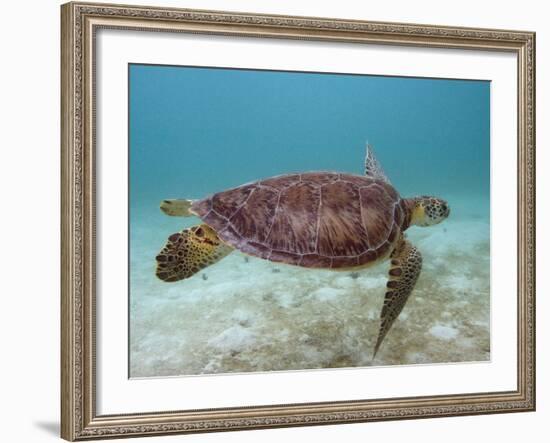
[[428, 211]]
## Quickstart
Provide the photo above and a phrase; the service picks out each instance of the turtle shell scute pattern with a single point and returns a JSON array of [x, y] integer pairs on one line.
[[315, 220]]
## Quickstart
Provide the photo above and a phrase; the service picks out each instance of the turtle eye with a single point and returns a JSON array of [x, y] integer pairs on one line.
[[444, 207]]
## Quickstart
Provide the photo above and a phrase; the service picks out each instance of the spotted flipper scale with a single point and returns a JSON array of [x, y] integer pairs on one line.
[[406, 264], [189, 251]]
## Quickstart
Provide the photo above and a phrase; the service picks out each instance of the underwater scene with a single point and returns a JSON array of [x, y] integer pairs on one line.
[[237, 305]]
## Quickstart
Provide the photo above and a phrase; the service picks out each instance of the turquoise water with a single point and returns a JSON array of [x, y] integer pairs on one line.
[[196, 131]]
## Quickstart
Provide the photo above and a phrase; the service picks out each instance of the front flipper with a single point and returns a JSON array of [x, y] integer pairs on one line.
[[189, 251], [372, 167], [406, 264]]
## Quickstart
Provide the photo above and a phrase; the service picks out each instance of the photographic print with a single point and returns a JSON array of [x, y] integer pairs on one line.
[[302, 220], [251, 202]]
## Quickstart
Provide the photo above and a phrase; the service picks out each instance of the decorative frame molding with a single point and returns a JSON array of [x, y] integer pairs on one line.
[[80, 21]]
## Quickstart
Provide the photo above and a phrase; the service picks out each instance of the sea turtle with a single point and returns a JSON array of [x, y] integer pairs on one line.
[[322, 220]]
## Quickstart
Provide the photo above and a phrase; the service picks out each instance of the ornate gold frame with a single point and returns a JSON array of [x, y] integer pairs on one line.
[[79, 420]]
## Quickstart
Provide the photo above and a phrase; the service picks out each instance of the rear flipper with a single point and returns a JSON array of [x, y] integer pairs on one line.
[[177, 207], [406, 264], [189, 251]]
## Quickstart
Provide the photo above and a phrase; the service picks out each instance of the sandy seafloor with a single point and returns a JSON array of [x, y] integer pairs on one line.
[[245, 314]]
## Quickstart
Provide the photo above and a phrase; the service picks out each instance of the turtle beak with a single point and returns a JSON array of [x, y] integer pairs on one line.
[[446, 209]]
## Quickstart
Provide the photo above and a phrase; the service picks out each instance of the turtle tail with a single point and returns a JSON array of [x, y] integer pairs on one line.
[[177, 207]]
